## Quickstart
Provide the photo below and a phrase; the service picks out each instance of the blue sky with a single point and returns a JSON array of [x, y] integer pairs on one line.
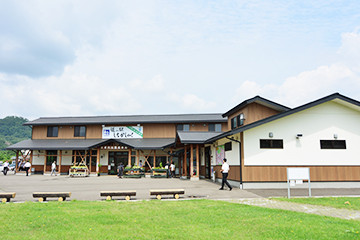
[[76, 58]]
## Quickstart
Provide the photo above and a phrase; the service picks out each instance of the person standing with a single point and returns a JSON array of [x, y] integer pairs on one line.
[[27, 166], [120, 170], [172, 168], [53, 168], [225, 171], [6, 167], [167, 167]]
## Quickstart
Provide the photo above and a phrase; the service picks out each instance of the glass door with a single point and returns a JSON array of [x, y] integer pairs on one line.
[[115, 158]]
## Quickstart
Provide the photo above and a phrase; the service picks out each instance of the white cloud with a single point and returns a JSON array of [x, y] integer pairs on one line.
[[342, 76], [191, 103]]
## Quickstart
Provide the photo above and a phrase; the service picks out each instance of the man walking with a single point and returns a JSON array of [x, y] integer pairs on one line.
[[53, 168], [225, 171], [27, 167]]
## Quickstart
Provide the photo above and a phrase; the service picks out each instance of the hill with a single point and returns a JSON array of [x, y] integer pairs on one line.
[[12, 131]]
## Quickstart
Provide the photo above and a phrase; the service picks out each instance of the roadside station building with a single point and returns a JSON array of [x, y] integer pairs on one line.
[[260, 139]]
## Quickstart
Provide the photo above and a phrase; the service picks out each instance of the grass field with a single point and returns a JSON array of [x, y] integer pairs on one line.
[[351, 203], [193, 219]]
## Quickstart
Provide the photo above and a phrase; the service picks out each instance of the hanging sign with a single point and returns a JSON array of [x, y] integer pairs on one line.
[[122, 132]]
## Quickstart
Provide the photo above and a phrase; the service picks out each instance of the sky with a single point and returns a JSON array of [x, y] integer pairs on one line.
[[102, 58]]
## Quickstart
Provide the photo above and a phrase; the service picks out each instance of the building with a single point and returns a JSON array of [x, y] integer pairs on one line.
[[260, 139]]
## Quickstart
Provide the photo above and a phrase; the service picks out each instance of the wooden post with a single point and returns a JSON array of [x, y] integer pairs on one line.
[[31, 156], [129, 157], [17, 160], [60, 158], [137, 157], [45, 156], [197, 161], [154, 159], [171, 157], [191, 160], [97, 160], [185, 161]]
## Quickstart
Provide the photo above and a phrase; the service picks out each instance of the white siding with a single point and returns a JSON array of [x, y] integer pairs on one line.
[[317, 123]]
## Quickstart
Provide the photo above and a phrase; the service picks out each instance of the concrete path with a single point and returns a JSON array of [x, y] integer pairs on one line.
[[305, 208], [89, 189]]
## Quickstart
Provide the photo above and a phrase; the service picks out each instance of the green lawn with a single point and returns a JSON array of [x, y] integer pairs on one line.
[[351, 203], [193, 219]]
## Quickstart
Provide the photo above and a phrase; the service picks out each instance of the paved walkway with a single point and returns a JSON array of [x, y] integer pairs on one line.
[[297, 207], [89, 189]]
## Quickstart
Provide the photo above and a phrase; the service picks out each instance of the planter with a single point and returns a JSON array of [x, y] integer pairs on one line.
[[158, 170]]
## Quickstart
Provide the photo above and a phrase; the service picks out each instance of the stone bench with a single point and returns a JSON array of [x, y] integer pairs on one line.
[[43, 195], [110, 194], [5, 197], [174, 192]]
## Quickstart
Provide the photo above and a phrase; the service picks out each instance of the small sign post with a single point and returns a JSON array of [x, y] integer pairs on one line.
[[296, 176]]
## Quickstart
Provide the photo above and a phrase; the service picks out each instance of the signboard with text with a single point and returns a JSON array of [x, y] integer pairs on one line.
[[122, 132]]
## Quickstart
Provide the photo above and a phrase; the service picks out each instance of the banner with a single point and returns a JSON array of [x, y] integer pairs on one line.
[[220, 154], [122, 132]]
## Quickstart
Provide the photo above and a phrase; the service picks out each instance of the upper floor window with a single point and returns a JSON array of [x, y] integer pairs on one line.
[[233, 122], [52, 131], [271, 143], [79, 131], [332, 144], [237, 121], [215, 127], [183, 127]]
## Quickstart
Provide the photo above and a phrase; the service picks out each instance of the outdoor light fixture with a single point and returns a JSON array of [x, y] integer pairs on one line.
[[299, 135], [335, 135], [271, 134]]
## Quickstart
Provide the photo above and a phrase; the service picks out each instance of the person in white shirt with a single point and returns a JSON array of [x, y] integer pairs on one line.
[[53, 168], [6, 167], [225, 171], [172, 168], [27, 166]]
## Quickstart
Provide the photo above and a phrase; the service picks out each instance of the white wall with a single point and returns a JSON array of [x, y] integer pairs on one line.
[[317, 123], [232, 156]]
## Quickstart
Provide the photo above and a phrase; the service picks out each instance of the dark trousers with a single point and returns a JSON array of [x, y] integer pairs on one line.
[[224, 180], [5, 170], [27, 171]]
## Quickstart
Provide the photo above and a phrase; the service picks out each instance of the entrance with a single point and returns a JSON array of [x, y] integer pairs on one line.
[[115, 158], [207, 163]]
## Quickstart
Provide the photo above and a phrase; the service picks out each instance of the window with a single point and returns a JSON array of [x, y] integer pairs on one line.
[[183, 127], [271, 143], [233, 123], [52, 131], [228, 146], [79, 131], [240, 120], [332, 144], [51, 157], [214, 127]]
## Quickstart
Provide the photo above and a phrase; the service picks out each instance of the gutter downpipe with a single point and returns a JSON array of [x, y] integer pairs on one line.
[[232, 139]]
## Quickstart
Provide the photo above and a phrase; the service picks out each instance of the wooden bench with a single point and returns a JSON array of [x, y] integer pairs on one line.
[[5, 197], [43, 195], [160, 192], [110, 194]]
